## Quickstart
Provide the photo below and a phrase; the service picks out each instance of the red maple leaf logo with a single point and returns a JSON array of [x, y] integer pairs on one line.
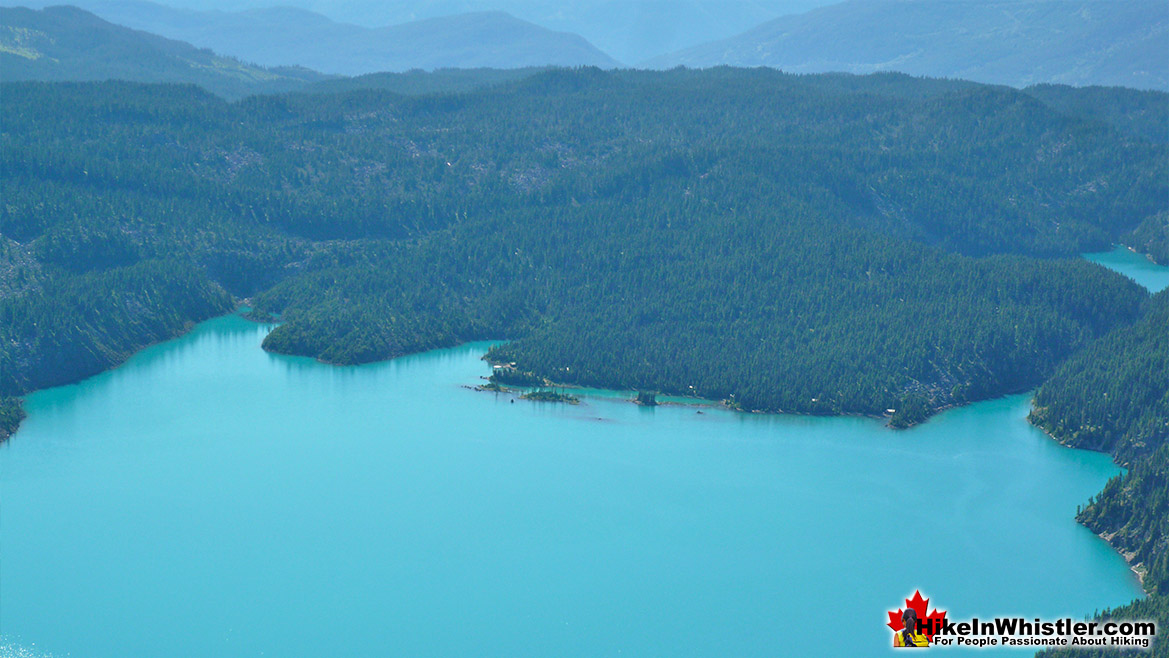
[[919, 605]]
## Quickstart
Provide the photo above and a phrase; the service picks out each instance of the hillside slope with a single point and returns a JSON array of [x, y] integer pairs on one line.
[[1084, 42], [280, 36], [1113, 396], [816, 245], [70, 44]]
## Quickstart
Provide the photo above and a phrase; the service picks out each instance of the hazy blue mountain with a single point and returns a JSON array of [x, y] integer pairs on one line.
[[1015, 42], [285, 36], [67, 43], [630, 30]]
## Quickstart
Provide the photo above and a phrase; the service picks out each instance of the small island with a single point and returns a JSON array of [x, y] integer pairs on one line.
[[646, 399], [545, 395]]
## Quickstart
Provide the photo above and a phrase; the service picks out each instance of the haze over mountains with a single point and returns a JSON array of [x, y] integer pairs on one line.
[[286, 36], [1013, 42], [1087, 42], [69, 44], [630, 31]]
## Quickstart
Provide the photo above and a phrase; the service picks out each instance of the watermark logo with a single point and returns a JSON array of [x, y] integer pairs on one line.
[[912, 627]]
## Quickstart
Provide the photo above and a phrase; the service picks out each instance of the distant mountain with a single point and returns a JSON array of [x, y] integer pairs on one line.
[[67, 43], [286, 36], [629, 30], [1014, 42]]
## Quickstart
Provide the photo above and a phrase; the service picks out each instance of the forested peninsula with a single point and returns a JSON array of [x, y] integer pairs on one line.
[[814, 244]]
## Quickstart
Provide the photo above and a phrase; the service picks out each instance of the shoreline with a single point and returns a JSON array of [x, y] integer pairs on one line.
[[1138, 569], [241, 308], [241, 305], [188, 327]]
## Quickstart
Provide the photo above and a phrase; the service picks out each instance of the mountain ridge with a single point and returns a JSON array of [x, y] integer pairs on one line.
[[627, 30], [283, 36], [1086, 42], [65, 43]]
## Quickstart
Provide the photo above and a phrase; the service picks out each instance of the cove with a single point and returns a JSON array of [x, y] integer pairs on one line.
[[211, 499], [1135, 266]]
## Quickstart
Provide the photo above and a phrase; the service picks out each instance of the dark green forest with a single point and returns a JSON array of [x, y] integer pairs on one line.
[[1151, 236], [817, 244], [418, 82], [1114, 396], [878, 245]]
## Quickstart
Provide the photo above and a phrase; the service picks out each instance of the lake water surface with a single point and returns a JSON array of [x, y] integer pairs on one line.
[[1135, 266], [210, 499]]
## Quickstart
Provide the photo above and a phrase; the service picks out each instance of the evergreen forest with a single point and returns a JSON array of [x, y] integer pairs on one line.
[[819, 244]]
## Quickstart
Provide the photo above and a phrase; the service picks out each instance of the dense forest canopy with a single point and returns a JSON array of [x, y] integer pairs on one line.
[[819, 244], [1114, 395]]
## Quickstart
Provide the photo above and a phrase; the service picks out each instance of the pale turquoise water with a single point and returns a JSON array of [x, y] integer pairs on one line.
[[1135, 266], [210, 499]]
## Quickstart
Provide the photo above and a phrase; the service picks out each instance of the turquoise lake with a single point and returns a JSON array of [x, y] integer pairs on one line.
[[1135, 266], [211, 499]]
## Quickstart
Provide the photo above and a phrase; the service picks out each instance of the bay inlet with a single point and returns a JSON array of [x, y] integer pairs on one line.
[[208, 498]]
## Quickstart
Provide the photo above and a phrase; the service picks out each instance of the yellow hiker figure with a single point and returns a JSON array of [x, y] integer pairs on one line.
[[909, 637]]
